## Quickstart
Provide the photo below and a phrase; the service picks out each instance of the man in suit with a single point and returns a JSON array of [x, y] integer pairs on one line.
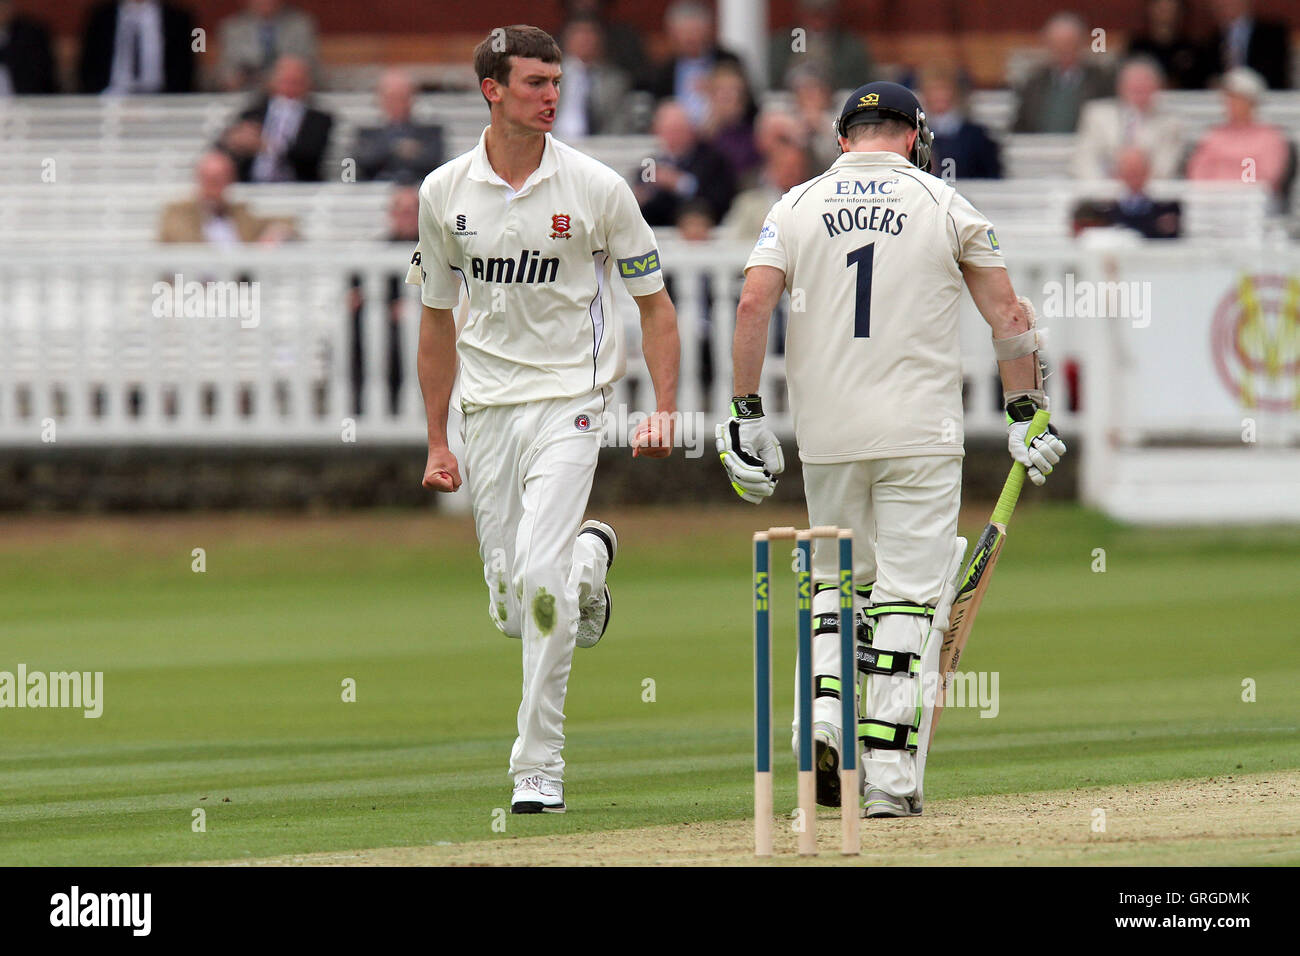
[[253, 40], [962, 149], [1137, 210], [209, 217], [1242, 40], [594, 89], [1131, 118], [1167, 41], [282, 138], [827, 41], [137, 46], [684, 76], [1052, 97], [684, 169], [400, 151], [26, 61]]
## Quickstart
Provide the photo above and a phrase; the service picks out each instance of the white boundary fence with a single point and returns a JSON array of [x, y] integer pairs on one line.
[[90, 357]]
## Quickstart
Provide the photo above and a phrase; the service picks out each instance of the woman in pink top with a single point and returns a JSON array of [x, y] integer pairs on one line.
[[1242, 149]]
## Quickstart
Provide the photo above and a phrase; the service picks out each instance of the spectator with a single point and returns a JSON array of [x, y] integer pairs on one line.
[[403, 227], [252, 41], [815, 113], [775, 128], [137, 46], [825, 40], [693, 54], [1050, 100], [401, 151], [1137, 210], [785, 167], [282, 138], [1242, 149], [1242, 40], [962, 148], [26, 60], [730, 125], [622, 42], [594, 90], [1167, 41], [684, 168], [210, 217], [695, 221], [1132, 118]]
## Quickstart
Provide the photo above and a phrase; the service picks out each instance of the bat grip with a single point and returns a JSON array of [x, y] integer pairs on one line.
[[1016, 480]]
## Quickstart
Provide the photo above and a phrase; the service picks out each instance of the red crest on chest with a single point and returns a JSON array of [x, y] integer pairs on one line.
[[560, 226]]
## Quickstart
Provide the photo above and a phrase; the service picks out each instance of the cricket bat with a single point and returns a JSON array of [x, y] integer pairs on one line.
[[977, 574]]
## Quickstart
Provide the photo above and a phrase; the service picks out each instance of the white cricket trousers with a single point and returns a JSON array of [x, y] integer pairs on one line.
[[903, 513], [529, 469]]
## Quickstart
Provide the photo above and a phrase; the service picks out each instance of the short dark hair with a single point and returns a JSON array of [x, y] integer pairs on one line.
[[886, 127], [492, 56]]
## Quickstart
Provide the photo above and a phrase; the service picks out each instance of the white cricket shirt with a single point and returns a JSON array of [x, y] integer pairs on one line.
[[870, 251], [536, 264]]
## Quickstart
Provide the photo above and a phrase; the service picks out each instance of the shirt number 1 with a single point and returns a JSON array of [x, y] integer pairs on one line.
[[862, 258]]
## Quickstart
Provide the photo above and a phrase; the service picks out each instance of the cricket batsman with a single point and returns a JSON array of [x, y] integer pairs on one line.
[[531, 229], [879, 249]]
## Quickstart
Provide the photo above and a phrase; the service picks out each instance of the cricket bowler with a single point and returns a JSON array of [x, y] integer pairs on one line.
[[879, 249], [531, 229]]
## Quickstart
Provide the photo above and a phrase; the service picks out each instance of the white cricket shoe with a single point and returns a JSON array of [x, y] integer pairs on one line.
[[593, 617], [537, 794], [879, 804]]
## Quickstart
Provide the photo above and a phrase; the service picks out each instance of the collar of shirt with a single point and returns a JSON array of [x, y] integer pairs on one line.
[[871, 159], [481, 169]]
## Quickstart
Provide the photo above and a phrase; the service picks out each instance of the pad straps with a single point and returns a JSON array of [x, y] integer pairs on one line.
[[882, 735]]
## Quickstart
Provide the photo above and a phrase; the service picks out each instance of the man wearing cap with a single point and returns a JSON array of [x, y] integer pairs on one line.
[[874, 252]]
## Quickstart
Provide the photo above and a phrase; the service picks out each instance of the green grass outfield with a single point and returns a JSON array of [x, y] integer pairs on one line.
[[223, 689]]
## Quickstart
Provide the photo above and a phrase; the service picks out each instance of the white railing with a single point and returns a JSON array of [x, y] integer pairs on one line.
[[1190, 405], [97, 353]]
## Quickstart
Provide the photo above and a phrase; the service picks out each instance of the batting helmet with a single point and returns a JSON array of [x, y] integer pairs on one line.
[[884, 100]]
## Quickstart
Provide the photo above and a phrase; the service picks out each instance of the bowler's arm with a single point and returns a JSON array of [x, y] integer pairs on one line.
[[436, 368], [759, 297], [661, 346]]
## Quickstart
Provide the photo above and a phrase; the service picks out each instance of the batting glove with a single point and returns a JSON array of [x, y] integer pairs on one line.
[[1039, 455], [749, 451]]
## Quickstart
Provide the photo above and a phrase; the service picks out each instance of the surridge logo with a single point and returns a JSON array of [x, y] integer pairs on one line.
[[462, 226], [530, 267]]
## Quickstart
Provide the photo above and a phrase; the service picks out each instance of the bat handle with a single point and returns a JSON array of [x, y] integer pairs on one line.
[[1016, 480]]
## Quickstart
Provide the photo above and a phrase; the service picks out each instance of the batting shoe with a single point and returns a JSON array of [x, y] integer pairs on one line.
[[826, 759], [537, 794], [879, 804], [593, 617]]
